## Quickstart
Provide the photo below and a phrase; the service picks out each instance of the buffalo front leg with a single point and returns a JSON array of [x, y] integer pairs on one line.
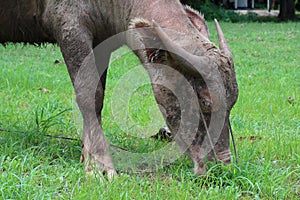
[[95, 151], [88, 82]]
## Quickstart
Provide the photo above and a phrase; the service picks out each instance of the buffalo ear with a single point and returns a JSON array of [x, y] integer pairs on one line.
[[197, 20], [139, 23], [150, 43]]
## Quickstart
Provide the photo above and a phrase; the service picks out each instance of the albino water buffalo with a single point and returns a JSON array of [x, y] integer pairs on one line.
[[166, 34]]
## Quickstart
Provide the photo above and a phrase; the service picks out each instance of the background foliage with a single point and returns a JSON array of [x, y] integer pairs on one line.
[[216, 10]]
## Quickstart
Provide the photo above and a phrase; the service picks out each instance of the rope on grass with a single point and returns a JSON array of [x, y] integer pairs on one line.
[[62, 137]]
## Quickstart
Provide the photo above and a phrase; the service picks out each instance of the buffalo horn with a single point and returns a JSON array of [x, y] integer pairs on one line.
[[195, 65], [222, 41]]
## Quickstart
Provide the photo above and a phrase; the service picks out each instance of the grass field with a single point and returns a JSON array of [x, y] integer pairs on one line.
[[36, 102]]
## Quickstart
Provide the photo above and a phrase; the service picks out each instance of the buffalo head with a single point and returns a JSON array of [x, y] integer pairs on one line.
[[194, 84]]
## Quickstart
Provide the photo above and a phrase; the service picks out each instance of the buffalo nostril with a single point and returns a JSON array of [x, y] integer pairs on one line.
[[227, 162]]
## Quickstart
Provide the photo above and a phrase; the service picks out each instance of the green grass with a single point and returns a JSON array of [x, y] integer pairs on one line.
[[266, 125]]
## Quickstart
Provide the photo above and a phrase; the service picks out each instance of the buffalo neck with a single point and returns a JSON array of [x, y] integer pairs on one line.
[[117, 14]]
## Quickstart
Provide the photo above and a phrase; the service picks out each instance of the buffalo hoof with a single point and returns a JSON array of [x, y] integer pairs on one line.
[[96, 166], [111, 175], [163, 134]]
